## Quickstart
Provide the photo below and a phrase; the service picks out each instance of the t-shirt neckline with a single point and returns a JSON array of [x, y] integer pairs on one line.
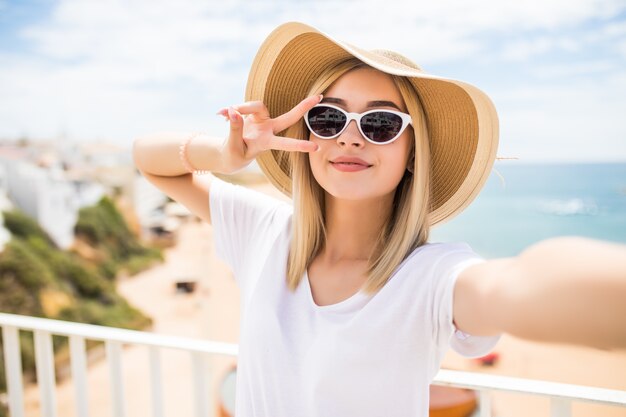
[[331, 307]]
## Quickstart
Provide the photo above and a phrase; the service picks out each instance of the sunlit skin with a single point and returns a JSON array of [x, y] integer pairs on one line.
[[358, 202]]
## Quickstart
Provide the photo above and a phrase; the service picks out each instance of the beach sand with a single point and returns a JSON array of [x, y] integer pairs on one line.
[[212, 312]]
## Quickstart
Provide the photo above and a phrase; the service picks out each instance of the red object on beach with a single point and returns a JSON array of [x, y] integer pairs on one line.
[[489, 359], [451, 402]]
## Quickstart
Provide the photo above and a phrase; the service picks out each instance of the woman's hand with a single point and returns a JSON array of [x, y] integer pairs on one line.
[[255, 132]]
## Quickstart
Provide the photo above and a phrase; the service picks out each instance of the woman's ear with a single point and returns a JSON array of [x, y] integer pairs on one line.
[[411, 163]]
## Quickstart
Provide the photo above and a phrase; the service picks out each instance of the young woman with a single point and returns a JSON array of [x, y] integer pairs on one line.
[[347, 309]]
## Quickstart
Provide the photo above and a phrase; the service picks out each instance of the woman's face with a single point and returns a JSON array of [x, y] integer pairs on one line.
[[354, 91]]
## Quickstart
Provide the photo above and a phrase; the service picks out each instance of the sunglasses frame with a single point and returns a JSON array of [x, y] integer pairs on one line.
[[406, 120]]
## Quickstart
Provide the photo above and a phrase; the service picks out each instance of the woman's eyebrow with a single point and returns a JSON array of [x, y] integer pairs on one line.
[[375, 103]]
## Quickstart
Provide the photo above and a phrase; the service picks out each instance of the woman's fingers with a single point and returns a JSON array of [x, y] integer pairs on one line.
[[235, 115], [236, 124], [292, 145], [224, 113], [250, 107], [283, 121]]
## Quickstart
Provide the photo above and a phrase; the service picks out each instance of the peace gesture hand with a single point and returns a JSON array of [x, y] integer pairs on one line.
[[255, 133]]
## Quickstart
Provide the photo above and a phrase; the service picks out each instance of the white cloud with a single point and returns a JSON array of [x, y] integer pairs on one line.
[[621, 48], [522, 50], [563, 123], [583, 68], [176, 41], [110, 69]]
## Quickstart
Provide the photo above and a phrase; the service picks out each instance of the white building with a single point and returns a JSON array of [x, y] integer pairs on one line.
[[46, 196], [149, 204]]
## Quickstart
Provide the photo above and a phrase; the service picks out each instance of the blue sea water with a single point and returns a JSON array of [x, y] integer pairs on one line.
[[533, 202]]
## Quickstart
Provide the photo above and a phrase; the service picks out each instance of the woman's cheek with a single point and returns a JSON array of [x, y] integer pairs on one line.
[[316, 162]]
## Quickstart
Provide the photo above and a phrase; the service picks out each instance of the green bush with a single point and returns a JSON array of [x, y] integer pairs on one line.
[[140, 263], [70, 268], [15, 298], [21, 225], [103, 222], [20, 261], [87, 282], [108, 268], [104, 228], [120, 314]]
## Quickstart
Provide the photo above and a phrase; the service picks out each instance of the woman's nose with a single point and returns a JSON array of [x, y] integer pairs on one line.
[[351, 136]]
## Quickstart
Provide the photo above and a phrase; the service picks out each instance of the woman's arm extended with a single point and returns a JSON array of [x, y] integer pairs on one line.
[[563, 290], [158, 153]]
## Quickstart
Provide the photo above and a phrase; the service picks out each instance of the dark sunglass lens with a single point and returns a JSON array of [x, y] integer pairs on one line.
[[326, 121], [381, 126]]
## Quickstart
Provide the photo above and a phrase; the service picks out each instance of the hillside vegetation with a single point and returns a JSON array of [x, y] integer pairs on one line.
[[39, 279]]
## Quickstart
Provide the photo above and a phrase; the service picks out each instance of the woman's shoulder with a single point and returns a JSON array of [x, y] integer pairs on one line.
[[432, 262], [439, 254], [242, 213], [443, 248], [437, 261]]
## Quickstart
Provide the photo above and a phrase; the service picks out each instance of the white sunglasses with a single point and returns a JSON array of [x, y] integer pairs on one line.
[[378, 126]]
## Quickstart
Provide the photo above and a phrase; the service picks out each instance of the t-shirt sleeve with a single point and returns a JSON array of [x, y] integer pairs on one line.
[[448, 335], [243, 222]]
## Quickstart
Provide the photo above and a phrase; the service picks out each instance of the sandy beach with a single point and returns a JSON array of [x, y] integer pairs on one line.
[[212, 312]]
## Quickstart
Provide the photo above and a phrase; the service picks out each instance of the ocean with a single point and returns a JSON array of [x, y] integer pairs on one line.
[[532, 202]]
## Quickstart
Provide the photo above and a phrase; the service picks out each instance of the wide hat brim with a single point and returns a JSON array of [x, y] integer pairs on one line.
[[462, 120]]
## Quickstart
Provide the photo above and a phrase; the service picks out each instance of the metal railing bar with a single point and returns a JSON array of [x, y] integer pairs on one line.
[[480, 381], [114, 358], [103, 333], [79, 374], [200, 384], [560, 407], [485, 403], [13, 370], [44, 364], [155, 382]]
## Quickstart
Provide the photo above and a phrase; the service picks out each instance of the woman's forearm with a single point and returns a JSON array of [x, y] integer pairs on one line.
[[158, 153], [569, 290]]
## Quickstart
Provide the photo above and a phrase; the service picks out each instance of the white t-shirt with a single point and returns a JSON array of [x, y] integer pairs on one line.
[[364, 356]]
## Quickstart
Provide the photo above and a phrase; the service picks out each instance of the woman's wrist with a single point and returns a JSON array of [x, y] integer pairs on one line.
[[200, 153], [184, 155]]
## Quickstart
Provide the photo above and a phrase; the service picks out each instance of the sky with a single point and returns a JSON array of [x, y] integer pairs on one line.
[[114, 70]]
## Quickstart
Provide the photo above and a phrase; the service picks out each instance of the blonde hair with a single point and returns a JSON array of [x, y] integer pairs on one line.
[[407, 226]]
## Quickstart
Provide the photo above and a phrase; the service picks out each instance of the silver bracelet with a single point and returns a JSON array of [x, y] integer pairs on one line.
[[182, 153]]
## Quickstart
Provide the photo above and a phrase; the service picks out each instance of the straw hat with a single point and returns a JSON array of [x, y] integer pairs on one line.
[[462, 121]]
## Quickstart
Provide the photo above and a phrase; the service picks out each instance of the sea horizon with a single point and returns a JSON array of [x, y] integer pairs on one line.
[[522, 203]]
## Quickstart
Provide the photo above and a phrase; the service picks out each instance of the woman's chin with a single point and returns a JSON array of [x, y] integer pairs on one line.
[[353, 193]]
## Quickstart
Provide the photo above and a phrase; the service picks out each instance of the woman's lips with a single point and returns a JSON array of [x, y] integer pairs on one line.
[[348, 166]]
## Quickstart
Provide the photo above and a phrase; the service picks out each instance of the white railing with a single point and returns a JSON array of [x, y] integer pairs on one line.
[[113, 339], [561, 395]]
